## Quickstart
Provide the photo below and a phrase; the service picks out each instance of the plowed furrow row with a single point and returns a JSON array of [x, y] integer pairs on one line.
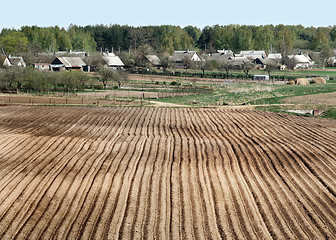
[[290, 203], [32, 176], [255, 229], [165, 173], [80, 227], [284, 156], [104, 179], [274, 198]]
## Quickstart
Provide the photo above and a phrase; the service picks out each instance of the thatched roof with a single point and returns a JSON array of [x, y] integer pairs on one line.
[[153, 59], [69, 62], [113, 61], [180, 56], [17, 61]]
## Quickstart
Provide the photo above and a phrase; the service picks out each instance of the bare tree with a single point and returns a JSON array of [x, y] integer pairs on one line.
[[247, 66], [272, 65]]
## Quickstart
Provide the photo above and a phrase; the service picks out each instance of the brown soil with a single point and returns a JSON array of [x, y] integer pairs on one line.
[[165, 173], [321, 98]]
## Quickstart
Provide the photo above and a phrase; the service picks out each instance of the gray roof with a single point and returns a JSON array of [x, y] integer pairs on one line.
[[275, 55], [113, 61], [253, 54], [179, 56], [221, 56], [17, 61], [153, 59], [69, 62]]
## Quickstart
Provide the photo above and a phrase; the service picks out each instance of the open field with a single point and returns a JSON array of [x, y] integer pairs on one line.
[[322, 98], [164, 173]]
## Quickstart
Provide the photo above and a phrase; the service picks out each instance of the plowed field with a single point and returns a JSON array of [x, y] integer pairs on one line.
[[157, 173]]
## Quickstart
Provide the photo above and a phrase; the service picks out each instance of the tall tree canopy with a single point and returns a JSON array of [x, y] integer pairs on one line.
[[168, 38]]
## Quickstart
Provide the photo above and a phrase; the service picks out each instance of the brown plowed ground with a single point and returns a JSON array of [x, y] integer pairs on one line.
[[321, 98], [165, 173]]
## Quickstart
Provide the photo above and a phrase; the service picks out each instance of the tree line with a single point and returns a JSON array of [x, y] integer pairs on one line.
[[21, 79], [168, 38]]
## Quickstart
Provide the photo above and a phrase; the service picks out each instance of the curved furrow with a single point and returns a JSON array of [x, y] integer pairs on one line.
[[193, 215], [80, 227], [130, 228], [205, 192], [154, 204], [37, 207], [321, 163], [219, 194], [117, 135], [301, 152], [317, 161], [23, 148], [257, 229], [273, 203], [79, 200], [89, 200], [21, 181], [146, 192], [314, 136], [9, 144], [27, 219], [176, 218], [323, 144], [229, 186], [30, 176], [124, 144], [290, 203], [314, 204], [163, 216], [281, 155], [123, 226], [87, 168], [141, 181]]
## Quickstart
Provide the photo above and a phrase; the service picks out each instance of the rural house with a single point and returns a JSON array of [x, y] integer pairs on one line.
[[42, 66], [17, 61], [112, 60], [4, 62], [277, 56], [262, 63], [301, 61], [67, 63], [154, 60], [221, 55], [181, 58], [253, 54]]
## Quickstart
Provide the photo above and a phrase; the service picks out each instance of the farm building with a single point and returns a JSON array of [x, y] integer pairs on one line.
[[112, 60], [67, 63], [154, 60], [4, 62], [277, 56], [42, 66], [261, 77], [253, 54], [221, 55], [301, 61], [17, 61], [180, 58], [262, 63]]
